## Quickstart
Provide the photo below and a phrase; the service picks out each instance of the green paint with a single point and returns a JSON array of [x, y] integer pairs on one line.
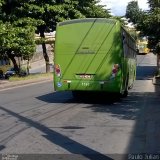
[[86, 51]]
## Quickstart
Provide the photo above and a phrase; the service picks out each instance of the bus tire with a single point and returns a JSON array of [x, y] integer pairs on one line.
[[125, 93], [76, 94], [130, 87]]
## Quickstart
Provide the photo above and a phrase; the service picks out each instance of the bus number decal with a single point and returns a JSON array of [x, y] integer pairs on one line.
[[85, 84]]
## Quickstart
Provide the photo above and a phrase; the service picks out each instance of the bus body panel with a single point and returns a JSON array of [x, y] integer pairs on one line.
[[89, 56]]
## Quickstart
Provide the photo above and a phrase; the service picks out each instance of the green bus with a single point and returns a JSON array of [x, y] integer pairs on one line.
[[94, 54]]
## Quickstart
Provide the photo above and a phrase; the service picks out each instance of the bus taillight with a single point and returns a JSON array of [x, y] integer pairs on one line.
[[115, 70], [58, 70]]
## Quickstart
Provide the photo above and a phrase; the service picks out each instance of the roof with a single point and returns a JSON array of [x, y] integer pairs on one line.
[[99, 20]]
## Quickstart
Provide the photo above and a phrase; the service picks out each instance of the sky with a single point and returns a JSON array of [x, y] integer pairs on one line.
[[118, 7]]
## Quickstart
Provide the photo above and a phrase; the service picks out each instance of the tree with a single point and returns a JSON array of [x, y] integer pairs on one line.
[[1, 2], [51, 12], [45, 14], [16, 42], [48, 13], [153, 4], [92, 9], [149, 24], [133, 12]]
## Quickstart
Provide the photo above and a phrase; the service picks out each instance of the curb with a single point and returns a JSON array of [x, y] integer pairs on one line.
[[6, 84]]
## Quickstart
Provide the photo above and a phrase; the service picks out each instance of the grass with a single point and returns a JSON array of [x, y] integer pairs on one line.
[[31, 76]]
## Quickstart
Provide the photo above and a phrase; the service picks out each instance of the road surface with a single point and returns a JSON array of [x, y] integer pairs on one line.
[[34, 119]]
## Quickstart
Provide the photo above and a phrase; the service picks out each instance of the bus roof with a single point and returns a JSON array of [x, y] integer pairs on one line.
[[100, 20]]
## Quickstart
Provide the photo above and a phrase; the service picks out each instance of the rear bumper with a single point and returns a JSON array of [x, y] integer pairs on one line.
[[113, 85]]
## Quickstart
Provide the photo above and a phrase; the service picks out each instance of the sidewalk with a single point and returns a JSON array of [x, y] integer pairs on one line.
[[4, 84], [40, 64]]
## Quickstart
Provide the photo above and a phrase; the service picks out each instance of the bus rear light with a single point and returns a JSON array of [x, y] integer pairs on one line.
[[66, 81], [58, 70], [115, 70]]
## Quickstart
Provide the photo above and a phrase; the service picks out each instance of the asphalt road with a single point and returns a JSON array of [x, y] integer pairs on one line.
[[34, 119]]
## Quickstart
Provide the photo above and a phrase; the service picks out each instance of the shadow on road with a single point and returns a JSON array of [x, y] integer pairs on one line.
[[88, 98], [140, 107], [145, 72], [126, 109], [2, 147], [57, 138]]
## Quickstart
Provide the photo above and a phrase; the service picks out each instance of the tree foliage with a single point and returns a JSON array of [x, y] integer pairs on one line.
[[153, 4], [15, 39], [148, 22], [92, 9], [133, 11], [44, 15]]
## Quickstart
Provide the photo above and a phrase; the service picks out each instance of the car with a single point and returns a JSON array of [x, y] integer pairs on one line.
[[1, 74], [12, 72]]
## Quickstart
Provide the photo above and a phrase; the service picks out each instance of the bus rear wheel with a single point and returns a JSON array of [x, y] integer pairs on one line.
[[125, 92], [76, 94]]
